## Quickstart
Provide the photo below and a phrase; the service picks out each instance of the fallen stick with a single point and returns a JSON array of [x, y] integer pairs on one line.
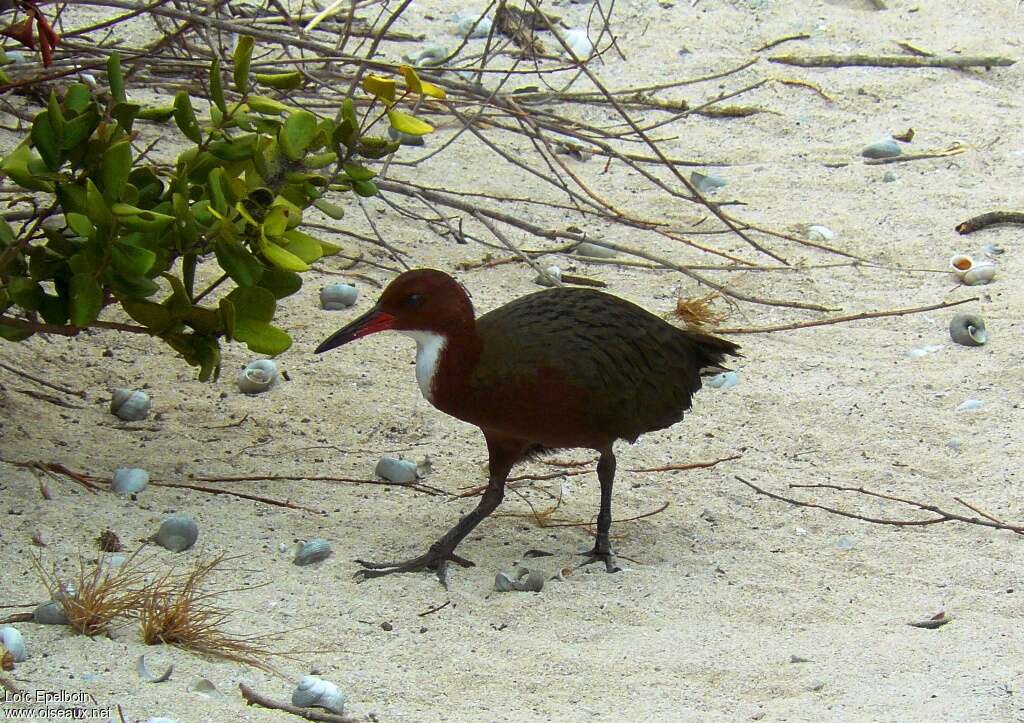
[[254, 698], [976, 223], [954, 150], [892, 61], [839, 319]]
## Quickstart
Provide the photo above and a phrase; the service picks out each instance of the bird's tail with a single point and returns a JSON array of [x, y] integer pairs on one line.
[[712, 351]]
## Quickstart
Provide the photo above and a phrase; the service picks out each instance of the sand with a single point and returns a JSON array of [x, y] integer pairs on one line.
[[732, 606]]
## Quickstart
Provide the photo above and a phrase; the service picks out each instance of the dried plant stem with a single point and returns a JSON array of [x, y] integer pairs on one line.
[[841, 319], [893, 61], [940, 515], [976, 223]]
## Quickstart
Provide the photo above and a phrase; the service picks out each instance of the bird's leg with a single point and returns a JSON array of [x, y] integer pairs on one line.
[[602, 548], [442, 552]]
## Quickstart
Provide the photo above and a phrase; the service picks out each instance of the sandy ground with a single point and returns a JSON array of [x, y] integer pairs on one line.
[[724, 587]]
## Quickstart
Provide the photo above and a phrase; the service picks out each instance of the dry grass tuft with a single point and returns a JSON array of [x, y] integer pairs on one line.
[[698, 311], [177, 610], [99, 595]]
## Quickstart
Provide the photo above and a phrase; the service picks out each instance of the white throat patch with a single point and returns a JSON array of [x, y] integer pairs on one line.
[[429, 346]]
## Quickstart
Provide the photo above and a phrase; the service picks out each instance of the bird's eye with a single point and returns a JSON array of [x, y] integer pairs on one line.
[[413, 301]]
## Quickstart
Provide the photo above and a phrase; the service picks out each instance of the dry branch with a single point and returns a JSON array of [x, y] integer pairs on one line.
[[254, 698], [976, 223], [892, 61]]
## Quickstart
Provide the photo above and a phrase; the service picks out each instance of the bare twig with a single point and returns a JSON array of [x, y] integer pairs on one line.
[[976, 223], [893, 61], [253, 698]]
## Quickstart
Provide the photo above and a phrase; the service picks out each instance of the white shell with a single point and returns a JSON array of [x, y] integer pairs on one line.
[[258, 376], [464, 25], [725, 380], [551, 276], [129, 480], [314, 691], [593, 251], [886, 148], [970, 405], [707, 183], [178, 533], [522, 579], [12, 640], [820, 233], [968, 330], [338, 296], [131, 405], [983, 272], [960, 264], [50, 613], [313, 551], [432, 54], [579, 43], [395, 470]]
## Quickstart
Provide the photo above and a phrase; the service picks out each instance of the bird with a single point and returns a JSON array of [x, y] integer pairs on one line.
[[561, 368]]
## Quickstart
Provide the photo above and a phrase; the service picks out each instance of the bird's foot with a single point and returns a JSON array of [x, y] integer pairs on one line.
[[433, 559], [607, 557]]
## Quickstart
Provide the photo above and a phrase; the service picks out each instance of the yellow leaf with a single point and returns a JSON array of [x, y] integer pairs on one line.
[[380, 87], [418, 86], [405, 123], [281, 258]]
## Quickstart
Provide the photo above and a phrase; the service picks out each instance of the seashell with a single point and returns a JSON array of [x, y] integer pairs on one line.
[[131, 405], [143, 672], [970, 405], [177, 533], [50, 613], [960, 264], [257, 376], [593, 251], [993, 250], [464, 25], [400, 471], [579, 43], [725, 380], [968, 330], [707, 183], [405, 139], [521, 579], [129, 480], [314, 691], [551, 276], [888, 177], [313, 551], [432, 54], [820, 233], [982, 272], [338, 296], [923, 351], [887, 148], [11, 639]]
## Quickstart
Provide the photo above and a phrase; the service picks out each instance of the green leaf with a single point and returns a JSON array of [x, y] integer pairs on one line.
[[303, 245], [253, 303], [405, 123], [53, 309], [133, 287], [185, 117], [237, 149], [275, 222], [157, 115], [320, 160], [267, 106], [72, 198], [376, 147], [280, 283], [242, 59], [329, 249], [131, 260], [366, 189], [16, 166], [261, 337], [114, 170], [124, 114], [77, 97], [86, 299], [281, 258], [297, 133], [238, 262], [281, 81], [217, 87], [26, 293], [45, 141], [96, 208], [178, 302], [115, 79], [78, 130], [331, 209], [218, 191], [139, 219], [151, 315], [357, 172], [56, 116], [79, 223], [9, 333], [227, 315]]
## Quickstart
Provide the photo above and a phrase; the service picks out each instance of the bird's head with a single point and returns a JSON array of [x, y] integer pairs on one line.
[[421, 300]]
